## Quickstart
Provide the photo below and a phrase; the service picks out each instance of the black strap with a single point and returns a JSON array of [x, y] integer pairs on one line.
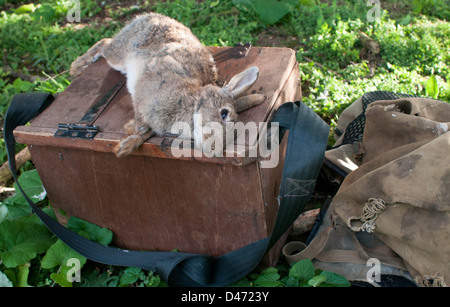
[[307, 141]]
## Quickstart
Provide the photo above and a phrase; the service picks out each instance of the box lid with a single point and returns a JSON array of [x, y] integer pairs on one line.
[[99, 97]]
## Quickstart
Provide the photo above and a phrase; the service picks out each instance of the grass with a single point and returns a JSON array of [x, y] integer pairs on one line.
[[39, 44]]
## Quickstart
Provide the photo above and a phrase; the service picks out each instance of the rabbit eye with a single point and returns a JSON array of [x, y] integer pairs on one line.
[[223, 113]]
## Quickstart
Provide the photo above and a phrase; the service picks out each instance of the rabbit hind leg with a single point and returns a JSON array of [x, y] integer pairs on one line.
[[92, 55], [132, 142], [135, 126]]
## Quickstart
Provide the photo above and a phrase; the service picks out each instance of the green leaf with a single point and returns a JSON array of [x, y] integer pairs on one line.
[[130, 276], [61, 277], [268, 278], [271, 11], [317, 280], [25, 9], [432, 87], [95, 278], [15, 211], [32, 186], [46, 12], [334, 280], [269, 270], [214, 3], [3, 212], [243, 282], [405, 20], [153, 281], [95, 233], [22, 86], [292, 282], [22, 240], [303, 270], [58, 254]]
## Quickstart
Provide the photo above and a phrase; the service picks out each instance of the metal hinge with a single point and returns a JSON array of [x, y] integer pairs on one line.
[[85, 129], [76, 131]]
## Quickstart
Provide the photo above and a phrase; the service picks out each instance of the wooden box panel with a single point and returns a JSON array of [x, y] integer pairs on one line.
[[150, 199]]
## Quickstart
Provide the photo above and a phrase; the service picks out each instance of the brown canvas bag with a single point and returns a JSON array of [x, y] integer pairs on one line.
[[395, 205]]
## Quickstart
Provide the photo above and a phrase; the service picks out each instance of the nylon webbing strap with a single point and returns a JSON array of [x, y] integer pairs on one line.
[[307, 141]]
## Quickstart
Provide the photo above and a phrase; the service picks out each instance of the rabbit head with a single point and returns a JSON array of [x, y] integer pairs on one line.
[[218, 106]]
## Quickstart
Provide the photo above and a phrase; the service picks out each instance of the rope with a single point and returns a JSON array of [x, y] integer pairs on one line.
[[431, 281], [371, 209]]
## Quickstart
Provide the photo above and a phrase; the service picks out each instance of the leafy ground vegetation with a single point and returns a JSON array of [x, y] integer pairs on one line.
[[39, 41]]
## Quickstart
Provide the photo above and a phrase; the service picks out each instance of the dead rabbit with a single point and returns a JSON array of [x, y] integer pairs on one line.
[[171, 78]]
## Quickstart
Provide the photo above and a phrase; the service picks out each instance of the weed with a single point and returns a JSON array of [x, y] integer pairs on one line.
[[299, 274], [38, 45]]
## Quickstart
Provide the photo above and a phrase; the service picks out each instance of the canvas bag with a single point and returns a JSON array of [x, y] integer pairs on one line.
[[395, 205]]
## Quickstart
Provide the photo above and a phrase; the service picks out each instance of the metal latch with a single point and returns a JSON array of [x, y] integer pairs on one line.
[[76, 131]]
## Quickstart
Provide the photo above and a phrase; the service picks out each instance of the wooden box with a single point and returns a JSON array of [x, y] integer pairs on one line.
[[152, 200]]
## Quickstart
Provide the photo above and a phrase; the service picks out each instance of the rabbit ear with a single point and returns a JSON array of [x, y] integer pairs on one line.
[[248, 102], [242, 81]]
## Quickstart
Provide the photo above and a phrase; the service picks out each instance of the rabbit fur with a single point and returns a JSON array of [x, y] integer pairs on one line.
[[171, 77]]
